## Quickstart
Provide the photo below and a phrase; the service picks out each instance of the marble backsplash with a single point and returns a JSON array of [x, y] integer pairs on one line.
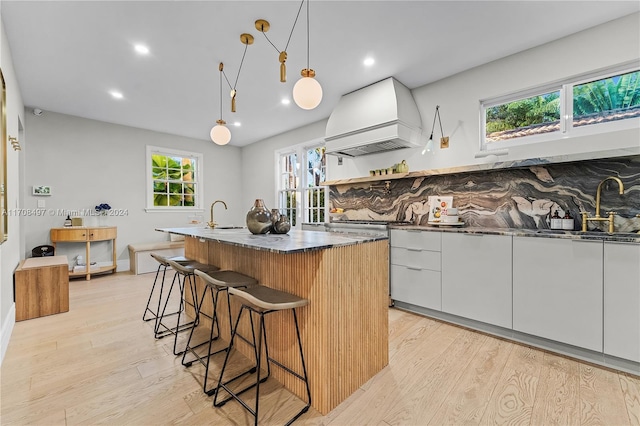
[[522, 198]]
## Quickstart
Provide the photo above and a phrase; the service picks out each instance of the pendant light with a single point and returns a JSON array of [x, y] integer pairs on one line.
[[220, 134], [246, 39], [307, 92], [263, 26]]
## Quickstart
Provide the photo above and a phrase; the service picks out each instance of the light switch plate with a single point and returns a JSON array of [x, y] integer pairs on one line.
[[41, 204]]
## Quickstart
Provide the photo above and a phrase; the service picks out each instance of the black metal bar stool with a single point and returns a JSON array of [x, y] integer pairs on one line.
[[263, 300], [163, 264], [185, 277], [215, 282]]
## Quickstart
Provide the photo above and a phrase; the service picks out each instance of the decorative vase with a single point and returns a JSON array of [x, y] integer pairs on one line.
[[282, 225], [259, 218], [275, 216], [102, 220]]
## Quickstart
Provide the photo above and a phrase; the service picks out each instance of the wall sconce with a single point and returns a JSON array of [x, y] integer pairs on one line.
[[444, 140], [15, 143]]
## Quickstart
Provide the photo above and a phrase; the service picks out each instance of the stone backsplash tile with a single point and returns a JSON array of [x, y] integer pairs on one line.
[[522, 198]]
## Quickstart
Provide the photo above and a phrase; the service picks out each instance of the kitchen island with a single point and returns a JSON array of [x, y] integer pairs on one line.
[[344, 329]]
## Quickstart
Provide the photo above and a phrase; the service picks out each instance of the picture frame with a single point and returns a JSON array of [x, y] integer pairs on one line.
[[41, 190]]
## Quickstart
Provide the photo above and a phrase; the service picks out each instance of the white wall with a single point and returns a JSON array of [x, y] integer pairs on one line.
[[88, 162], [10, 249], [609, 44]]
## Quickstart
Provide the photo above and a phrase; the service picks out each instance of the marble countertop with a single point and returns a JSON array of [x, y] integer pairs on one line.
[[293, 242], [543, 233]]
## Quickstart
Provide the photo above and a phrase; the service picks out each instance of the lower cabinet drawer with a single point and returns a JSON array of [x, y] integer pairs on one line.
[[419, 287], [421, 259]]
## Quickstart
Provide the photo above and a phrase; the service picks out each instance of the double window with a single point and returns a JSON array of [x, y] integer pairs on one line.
[[301, 170], [589, 104], [174, 179]]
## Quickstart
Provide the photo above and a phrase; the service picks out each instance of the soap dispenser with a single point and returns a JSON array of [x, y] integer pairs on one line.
[[567, 221], [556, 221], [67, 221]]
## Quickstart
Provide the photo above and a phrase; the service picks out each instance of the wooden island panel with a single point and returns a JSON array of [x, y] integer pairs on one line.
[[344, 329]]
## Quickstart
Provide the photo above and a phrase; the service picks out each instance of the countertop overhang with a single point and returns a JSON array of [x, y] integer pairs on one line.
[[293, 242], [620, 237]]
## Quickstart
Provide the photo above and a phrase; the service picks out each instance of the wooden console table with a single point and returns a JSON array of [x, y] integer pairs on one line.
[[81, 234], [41, 287]]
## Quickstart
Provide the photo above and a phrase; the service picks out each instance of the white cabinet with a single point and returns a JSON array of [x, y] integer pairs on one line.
[[415, 267], [622, 300], [476, 277], [557, 290]]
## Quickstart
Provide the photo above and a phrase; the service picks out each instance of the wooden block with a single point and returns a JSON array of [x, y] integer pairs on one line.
[[41, 287]]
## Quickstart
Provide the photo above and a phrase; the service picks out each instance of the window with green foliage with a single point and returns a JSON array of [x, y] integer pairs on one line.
[[607, 99], [558, 110], [173, 179], [533, 115], [301, 170]]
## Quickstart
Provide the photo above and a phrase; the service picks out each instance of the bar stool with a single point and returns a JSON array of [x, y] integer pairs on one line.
[[216, 282], [162, 265], [185, 275], [263, 300]]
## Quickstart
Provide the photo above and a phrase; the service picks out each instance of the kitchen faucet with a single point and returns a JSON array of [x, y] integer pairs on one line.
[[597, 217], [211, 223]]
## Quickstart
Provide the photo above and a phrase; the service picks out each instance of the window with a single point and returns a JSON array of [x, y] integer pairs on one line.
[[586, 105], [301, 170], [173, 180]]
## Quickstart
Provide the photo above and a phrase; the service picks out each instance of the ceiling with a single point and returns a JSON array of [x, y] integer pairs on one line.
[[68, 55]]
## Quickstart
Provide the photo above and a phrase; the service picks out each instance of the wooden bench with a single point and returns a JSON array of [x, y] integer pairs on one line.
[[41, 287], [140, 261]]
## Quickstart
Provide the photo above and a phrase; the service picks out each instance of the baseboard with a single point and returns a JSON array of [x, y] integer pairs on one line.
[[7, 328], [122, 265]]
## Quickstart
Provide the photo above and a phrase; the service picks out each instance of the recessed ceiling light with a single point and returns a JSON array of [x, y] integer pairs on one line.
[[141, 49], [369, 61], [285, 101], [116, 94], [236, 123]]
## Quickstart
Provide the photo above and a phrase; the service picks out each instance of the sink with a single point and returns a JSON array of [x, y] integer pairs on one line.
[[228, 227], [552, 231]]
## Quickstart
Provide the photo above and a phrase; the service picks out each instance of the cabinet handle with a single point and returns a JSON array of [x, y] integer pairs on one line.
[[413, 249], [625, 243], [413, 269], [471, 234], [84, 235]]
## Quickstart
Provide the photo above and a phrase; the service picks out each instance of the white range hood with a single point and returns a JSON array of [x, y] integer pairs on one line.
[[377, 118]]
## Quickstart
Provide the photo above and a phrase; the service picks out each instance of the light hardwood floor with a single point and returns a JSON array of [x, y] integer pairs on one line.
[[99, 364]]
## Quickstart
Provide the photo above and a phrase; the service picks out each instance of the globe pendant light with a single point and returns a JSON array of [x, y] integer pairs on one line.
[[220, 134], [307, 92]]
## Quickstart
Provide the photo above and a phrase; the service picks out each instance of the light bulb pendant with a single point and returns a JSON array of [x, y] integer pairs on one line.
[[283, 67], [220, 134], [307, 92]]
